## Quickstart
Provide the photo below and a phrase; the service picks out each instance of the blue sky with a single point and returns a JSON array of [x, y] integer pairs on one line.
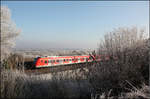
[[73, 24]]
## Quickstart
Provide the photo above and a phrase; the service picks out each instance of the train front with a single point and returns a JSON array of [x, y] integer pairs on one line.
[[35, 62]]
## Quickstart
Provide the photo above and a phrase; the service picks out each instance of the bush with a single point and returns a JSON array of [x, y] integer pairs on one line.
[[130, 48]]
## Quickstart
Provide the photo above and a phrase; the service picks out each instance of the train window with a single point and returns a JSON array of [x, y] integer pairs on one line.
[[67, 60], [90, 58], [45, 61], [64, 60], [49, 61], [86, 59], [57, 61], [53, 61], [82, 59], [70, 59], [41, 61]]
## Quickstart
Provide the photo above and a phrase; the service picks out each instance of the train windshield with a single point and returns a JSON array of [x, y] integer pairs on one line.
[[35, 59]]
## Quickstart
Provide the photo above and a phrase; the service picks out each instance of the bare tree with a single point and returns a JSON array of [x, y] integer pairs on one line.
[[9, 32]]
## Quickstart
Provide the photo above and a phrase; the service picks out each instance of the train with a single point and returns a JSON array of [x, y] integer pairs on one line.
[[52, 61]]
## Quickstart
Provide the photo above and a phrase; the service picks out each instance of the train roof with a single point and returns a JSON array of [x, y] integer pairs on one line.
[[60, 56]]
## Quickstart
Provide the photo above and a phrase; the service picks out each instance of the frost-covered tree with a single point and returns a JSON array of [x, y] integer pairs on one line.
[[122, 38], [9, 32]]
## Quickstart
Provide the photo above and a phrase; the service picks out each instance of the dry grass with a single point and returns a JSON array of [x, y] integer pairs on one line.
[[142, 92], [16, 84]]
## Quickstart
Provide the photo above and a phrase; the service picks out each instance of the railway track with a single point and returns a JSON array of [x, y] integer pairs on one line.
[[57, 68]]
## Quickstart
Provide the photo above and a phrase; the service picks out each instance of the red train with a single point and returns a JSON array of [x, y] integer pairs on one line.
[[50, 61]]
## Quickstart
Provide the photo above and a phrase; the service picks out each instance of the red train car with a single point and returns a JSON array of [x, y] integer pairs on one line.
[[50, 61]]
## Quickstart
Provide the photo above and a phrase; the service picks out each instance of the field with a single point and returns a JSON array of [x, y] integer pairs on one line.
[[126, 76], [69, 84], [107, 79]]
